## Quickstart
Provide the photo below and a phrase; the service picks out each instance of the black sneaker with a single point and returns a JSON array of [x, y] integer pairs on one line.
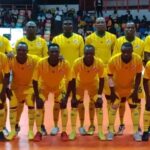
[[2, 137], [145, 136], [43, 130], [121, 129], [17, 128]]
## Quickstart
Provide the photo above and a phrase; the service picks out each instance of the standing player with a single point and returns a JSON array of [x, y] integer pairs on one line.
[[88, 75], [71, 48], [4, 81], [138, 48], [103, 42], [22, 66], [125, 70], [51, 71], [36, 46]]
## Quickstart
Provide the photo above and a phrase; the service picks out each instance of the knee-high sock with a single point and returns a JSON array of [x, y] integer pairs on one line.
[[64, 118], [13, 117], [146, 120], [19, 111], [56, 110], [92, 112], [2, 119], [81, 110], [99, 114], [112, 116], [121, 112], [31, 117], [135, 118], [73, 119], [39, 118]]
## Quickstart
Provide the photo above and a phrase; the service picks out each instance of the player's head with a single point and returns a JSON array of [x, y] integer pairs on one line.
[[53, 50], [22, 50], [67, 25], [100, 24], [89, 52], [130, 29], [31, 28], [126, 52]]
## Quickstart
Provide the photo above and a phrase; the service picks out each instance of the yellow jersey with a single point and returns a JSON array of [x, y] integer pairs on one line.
[[71, 48], [36, 47], [5, 45], [22, 73], [103, 45], [147, 44], [124, 74], [49, 76], [147, 71], [137, 43], [88, 75]]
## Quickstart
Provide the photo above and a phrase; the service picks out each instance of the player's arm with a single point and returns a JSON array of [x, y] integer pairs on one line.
[[146, 57], [146, 50]]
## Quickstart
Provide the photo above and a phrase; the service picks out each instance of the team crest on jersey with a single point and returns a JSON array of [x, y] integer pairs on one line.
[[137, 46], [75, 41], [38, 44], [108, 41]]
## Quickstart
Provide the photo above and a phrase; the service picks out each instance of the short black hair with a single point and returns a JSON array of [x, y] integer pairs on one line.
[[53, 44], [89, 46], [24, 43], [127, 44]]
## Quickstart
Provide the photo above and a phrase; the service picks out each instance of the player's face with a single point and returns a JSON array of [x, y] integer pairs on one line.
[[89, 55], [126, 54], [67, 26], [31, 28], [22, 50], [130, 29], [100, 24], [53, 52]]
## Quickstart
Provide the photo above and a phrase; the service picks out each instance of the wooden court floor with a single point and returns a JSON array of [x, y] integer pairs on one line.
[[124, 142]]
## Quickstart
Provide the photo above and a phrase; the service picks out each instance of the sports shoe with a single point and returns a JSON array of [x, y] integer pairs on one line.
[[30, 135], [72, 135], [82, 131], [2, 137], [137, 137], [54, 131], [64, 136], [121, 129], [91, 130], [145, 136], [110, 136], [101, 136], [5, 131], [17, 128], [43, 130], [11, 135], [37, 137]]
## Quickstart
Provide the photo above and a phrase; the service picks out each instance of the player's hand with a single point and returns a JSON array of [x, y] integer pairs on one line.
[[113, 97], [9, 93], [74, 102], [3, 96], [39, 102], [147, 105], [10, 55], [134, 96], [64, 100], [99, 103]]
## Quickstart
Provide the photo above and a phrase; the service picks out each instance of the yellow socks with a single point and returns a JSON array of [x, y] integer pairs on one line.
[[64, 118], [2, 119], [146, 120], [91, 112], [99, 114], [81, 110], [31, 115], [13, 117], [73, 118], [135, 118], [56, 110], [39, 119]]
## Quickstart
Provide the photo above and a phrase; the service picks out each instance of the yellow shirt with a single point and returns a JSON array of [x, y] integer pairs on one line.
[[36, 47], [5, 45], [22, 73], [85, 74], [147, 44], [124, 74], [137, 43], [147, 70], [50, 76], [4, 66], [103, 45], [71, 48]]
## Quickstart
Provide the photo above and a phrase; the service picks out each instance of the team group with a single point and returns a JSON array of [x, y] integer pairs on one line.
[[102, 65]]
